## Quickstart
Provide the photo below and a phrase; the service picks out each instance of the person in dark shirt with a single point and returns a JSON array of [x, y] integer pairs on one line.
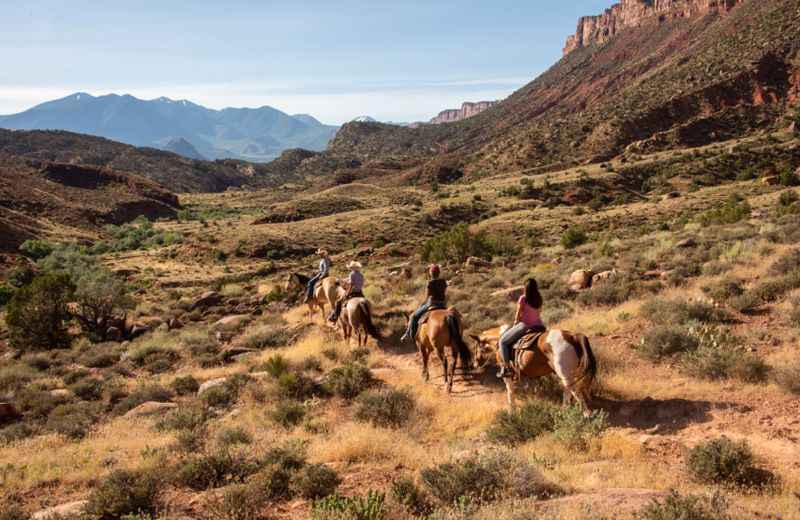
[[436, 297]]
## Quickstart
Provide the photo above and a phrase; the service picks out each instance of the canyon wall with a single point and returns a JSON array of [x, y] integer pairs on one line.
[[466, 110], [631, 13]]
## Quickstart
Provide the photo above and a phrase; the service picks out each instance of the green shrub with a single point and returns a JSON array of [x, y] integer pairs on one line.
[[236, 502], [720, 355], [571, 427], [11, 512], [36, 249], [101, 300], [6, 293], [185, 385], [574, 237], [385, 407], [691, 507], [15, 432], [788, 376], [88, 389], [725, 289], [36, 404], [484, 478], [794, 313], [186, 417], [212, 470], [788, 178], [123, 492], [671, 312], [138, 234], [338, 507], [37, 315], [294, 385], [521, 425], [143, 394], [732, 211], [720, 461], [349, 380], [232, 436], [314, 481], [288, 413], [265, 337], [788, 203], [72, 420], [405, 492], [276, 365], [664, 341], [609, 294], [460, 242]]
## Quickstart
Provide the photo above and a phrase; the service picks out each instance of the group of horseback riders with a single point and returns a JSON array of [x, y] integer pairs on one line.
[[527, 318]]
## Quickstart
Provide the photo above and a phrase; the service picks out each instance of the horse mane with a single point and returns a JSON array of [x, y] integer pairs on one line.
[[301, 278]]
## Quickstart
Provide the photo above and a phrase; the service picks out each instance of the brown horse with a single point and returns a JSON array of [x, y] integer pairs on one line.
[[326, 291], [559, 352], [442, 333], [357, 317]]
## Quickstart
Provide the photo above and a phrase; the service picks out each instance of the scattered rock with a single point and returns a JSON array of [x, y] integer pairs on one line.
[[126, 272], [72, 509], [8, 412], [60, 392], [770, 180], [138, 329], [263, 289], [511, 294], [211, 383], [175, 323], [150, 408], [232, 323], [686, 242], [474, 262], [580, 279], [234, 352], [605, 276], [671, 195], [207, 299]]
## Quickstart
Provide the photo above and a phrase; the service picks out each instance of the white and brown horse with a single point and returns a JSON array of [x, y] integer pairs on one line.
[[441, 332], [357, 317], [567, 355], [326, 292]]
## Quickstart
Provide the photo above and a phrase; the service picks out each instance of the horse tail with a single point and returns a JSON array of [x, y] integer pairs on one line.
[[588, 363], [464, 353], [372, 330]]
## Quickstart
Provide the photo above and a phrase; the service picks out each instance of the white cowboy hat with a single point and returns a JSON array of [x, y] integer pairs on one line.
[[354, 265], [322, 252]]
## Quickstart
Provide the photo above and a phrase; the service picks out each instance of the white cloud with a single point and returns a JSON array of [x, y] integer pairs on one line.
[[330, 103]]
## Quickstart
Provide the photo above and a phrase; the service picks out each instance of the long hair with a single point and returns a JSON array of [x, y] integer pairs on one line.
[[532, 295]]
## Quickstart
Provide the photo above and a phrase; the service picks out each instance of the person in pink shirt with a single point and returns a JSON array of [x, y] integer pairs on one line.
[[527, 319]]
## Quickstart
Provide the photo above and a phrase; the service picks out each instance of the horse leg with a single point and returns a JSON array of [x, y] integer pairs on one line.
[[452, 375], [426, 375], [443, 360], [510, 391]]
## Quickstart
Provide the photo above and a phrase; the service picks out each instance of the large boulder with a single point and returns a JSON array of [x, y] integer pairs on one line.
[[207, 299], [604, 276], [476, 263], [231, 323], [211, 383], [69, 510], [580, 279], [150, 408]]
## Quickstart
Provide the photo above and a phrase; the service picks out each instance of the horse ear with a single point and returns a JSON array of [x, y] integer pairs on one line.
[[476, 338]]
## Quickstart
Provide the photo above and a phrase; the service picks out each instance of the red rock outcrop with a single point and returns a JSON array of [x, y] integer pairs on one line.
[[632, 13], [457, 114]]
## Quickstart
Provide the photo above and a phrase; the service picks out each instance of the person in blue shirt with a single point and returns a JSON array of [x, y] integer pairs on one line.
[[324, 270], [355, 289]]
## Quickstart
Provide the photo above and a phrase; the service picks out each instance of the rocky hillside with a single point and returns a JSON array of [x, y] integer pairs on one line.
[[38, 198], [687, 79]]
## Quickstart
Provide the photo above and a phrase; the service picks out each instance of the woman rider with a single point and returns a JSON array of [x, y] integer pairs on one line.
[[324, 269], [355, 289], [436, 297], [527, 319]]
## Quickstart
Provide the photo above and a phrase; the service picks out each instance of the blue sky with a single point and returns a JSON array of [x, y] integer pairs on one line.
[[334, 59]]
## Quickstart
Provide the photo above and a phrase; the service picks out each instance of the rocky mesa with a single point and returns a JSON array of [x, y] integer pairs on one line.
[[467, 110], [633, 13]]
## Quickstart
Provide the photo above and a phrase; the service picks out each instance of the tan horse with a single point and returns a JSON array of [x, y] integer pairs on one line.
[[357, 317], [442, 333], [559, 352], [327, 291]]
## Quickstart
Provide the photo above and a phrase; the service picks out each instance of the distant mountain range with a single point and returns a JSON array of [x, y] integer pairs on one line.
[[253, 134]]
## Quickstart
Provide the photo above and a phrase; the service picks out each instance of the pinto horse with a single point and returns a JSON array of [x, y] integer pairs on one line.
[[327, 291], [441, 332], [357, 317], [559, 352]]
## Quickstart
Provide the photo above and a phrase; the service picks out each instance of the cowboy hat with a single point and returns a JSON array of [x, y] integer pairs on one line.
[[354, 265], [322, 252]]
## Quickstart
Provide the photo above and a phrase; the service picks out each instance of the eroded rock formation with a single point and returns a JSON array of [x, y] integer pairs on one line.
[[457, 114], [632, 13]]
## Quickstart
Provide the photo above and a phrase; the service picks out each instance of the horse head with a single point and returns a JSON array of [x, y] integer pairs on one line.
[[485, 348]]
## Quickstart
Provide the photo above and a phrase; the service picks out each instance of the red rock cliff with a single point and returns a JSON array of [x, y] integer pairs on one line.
[[631, 13], [466, 110]]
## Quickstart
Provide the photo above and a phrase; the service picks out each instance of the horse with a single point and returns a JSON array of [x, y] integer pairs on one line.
[[357, 317], [442, 332], [561, 352], [326, 291]]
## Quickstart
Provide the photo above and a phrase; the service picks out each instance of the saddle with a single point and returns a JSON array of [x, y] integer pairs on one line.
[[525, 344], [434, 307]]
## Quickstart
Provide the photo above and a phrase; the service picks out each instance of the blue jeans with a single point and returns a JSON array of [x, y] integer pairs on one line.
[[511, 337], [311, 284], [413, 323]]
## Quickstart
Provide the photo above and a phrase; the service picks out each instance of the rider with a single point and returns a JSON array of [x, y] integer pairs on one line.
[[324, 269], [436, 297], [355, 289], [527, 319]]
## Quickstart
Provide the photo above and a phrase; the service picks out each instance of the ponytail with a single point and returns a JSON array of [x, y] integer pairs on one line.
[[532, 295]]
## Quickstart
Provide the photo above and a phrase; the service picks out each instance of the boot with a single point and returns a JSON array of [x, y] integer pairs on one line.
[[405, 337], [505, 371]]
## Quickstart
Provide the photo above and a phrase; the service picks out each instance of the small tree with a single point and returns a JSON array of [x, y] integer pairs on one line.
[[36, 249], [38, 313], [102, 301]]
